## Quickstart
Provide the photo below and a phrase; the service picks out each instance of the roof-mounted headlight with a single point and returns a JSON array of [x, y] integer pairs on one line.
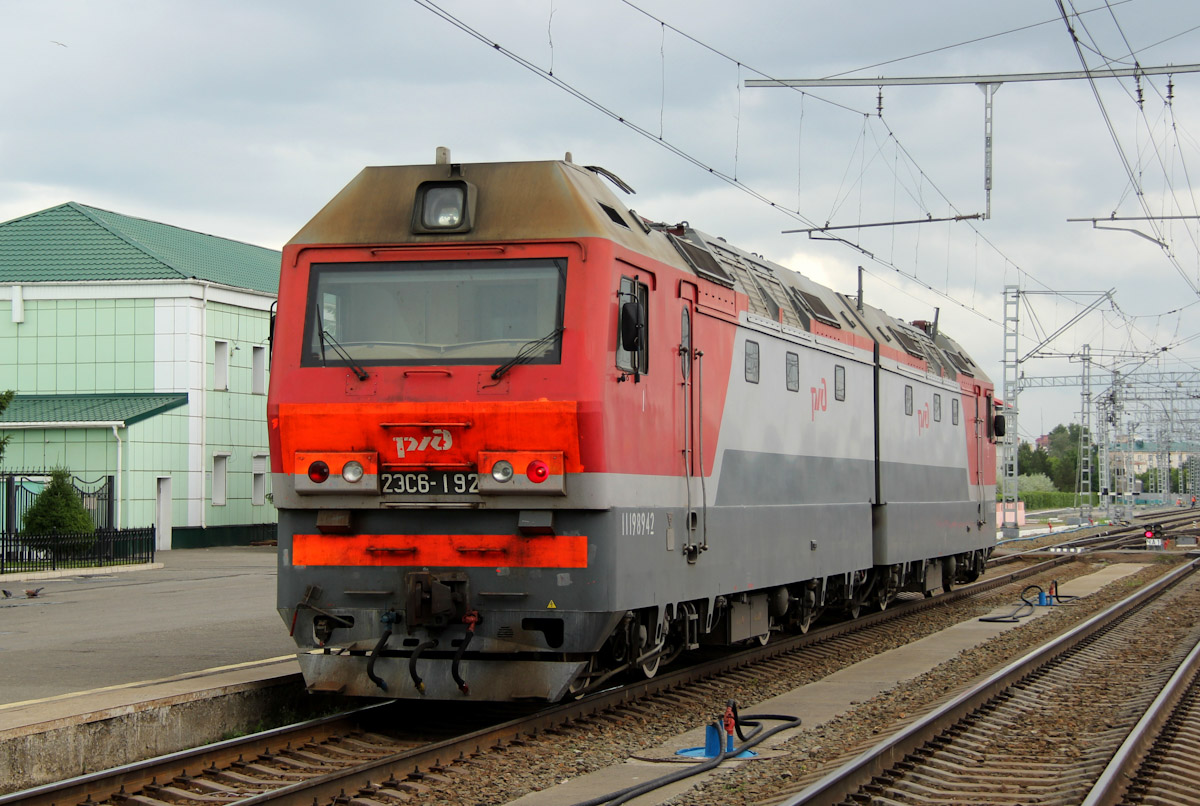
[[447, 206]]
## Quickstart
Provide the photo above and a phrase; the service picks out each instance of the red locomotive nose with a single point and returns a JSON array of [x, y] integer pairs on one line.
[[538, 471], [318, 471]]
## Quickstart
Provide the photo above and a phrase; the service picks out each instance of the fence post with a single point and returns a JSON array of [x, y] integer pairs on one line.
[[8, 515], [110, 504], [10, 504]]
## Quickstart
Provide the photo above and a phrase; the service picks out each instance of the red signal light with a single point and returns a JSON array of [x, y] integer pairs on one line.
[[1149, 533], [318, 471], [537, 471]]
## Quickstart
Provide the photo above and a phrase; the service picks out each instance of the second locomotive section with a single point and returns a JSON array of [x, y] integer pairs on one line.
[[523, 440]]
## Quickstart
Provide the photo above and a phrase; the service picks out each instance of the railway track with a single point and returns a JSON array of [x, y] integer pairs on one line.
[[1158, 762], [1124, 536], [1043, 729], [364, 752]]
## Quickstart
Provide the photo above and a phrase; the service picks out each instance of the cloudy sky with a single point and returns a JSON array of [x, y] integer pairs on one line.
[[241, 119]]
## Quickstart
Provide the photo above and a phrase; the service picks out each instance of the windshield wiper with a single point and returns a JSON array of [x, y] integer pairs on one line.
[[324, 334], [526, 353]]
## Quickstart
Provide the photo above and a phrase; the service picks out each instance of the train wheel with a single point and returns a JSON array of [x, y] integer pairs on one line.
[[854, 608], [805, 621], [808, 609], [895, 578], [584, 679], [763, 639], [650, 667], [949, 570], [978, 563]]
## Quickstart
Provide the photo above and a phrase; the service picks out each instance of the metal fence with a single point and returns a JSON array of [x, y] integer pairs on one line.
[[53, 552], [18, 490]]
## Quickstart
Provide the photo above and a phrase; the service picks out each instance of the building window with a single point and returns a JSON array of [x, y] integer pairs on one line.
[[220, 474], [258, 378], [908, 400], [634, 291], [793, 372], [752, 361], [259, 481], [839, 382], [937, 408], [221, 366], [954, 410]]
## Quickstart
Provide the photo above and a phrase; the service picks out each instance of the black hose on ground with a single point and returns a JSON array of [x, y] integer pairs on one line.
[[1054, 594], [379, 681], [1019, 613], [412, 664], [756, 736]]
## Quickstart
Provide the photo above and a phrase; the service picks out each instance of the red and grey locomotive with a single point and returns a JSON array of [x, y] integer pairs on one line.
[[523, 439]]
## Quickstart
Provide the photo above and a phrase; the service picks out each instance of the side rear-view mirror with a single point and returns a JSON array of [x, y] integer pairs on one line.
[[633, 325]]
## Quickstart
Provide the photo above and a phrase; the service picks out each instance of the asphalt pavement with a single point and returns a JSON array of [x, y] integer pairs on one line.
[[204, 608]]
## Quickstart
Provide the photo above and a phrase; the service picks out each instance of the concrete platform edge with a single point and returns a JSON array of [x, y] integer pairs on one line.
[[36, 754], [89, 571]]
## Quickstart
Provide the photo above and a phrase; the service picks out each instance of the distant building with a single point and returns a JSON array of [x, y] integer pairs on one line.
[[1042, 443], [139, 350], [1144, 454]]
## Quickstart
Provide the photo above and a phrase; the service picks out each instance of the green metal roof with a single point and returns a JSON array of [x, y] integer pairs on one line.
[[27, 411], [76, 243]]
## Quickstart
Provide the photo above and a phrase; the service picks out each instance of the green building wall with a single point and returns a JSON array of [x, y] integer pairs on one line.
[[117, 338]]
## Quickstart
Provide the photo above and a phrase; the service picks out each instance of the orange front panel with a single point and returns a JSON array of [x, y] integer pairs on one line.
[[409, 434], [474, 551]]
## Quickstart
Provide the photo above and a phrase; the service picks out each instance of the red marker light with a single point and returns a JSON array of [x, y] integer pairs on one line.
[[318, 471], [538, 471], [1149, 533]]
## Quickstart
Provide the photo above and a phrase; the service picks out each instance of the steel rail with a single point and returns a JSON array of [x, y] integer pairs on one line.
[[139, 773], [859, 771], [1111, 787], [410, 763], [1168, 518]]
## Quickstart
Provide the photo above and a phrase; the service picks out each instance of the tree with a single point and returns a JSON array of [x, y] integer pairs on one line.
[[58, 509], [1031, 462], [1059, 460]]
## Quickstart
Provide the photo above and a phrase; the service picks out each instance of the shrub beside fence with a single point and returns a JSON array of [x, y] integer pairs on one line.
[[97, 549]]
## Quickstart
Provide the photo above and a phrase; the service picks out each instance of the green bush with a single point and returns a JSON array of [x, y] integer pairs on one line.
[[1050, 500], [58, 510], [1036, 483]]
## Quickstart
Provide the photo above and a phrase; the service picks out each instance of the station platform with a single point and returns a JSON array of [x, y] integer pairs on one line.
[[109, 653]]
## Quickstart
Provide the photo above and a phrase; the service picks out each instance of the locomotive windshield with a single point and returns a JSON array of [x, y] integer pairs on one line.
[[426, 312]]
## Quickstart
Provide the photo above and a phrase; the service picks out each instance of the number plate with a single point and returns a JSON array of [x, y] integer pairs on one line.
[[430, 482]]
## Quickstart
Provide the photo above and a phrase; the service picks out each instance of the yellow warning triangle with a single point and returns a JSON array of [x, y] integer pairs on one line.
[[552, 605]]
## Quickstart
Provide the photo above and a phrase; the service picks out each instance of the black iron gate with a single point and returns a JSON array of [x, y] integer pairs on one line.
[[18, 491], [106, 546]]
